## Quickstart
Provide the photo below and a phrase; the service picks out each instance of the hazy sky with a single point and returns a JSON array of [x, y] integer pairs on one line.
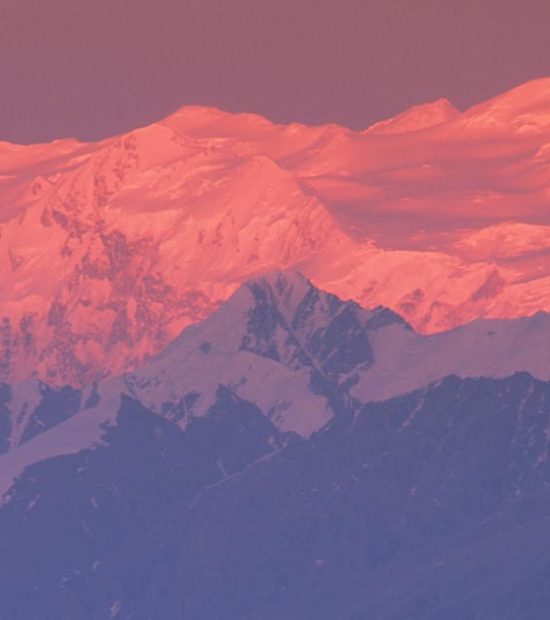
[[91, 68]]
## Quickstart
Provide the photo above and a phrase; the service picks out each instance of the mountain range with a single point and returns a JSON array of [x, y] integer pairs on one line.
[[251, 371], [112, 248]]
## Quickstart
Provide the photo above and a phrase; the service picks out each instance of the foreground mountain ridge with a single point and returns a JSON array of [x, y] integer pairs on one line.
[[255, 469], [112, 248]]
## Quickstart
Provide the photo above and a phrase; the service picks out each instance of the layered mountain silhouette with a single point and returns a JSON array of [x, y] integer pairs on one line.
[[112, 248], [292, 456], [254, 371]]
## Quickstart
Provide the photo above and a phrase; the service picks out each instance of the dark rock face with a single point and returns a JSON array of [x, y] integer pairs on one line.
[[323, 332], [53, 406], [56, 405], [77, 526], [5, 417], [431, 505]]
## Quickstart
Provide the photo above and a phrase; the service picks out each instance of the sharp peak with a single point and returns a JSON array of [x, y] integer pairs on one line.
[[285, 286], [440, 102], [281, 282], [290, 287]]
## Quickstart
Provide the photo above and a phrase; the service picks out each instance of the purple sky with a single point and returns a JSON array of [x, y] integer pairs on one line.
[[91, 68]]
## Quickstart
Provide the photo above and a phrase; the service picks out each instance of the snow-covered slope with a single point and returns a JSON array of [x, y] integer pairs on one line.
[[406, 361], [111, 249]]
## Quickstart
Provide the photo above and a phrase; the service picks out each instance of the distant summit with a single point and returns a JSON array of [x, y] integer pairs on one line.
[[418, 117]]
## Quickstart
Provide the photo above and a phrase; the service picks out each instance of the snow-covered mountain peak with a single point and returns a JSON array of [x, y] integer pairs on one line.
[[417, 118], [278, 316], [274, 330], [285, 290], [208, 122]]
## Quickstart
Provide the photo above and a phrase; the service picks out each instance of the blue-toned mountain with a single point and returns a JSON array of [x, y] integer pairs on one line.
[[293, 456]]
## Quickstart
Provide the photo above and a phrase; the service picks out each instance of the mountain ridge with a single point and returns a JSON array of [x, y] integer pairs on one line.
[[113, 247]]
